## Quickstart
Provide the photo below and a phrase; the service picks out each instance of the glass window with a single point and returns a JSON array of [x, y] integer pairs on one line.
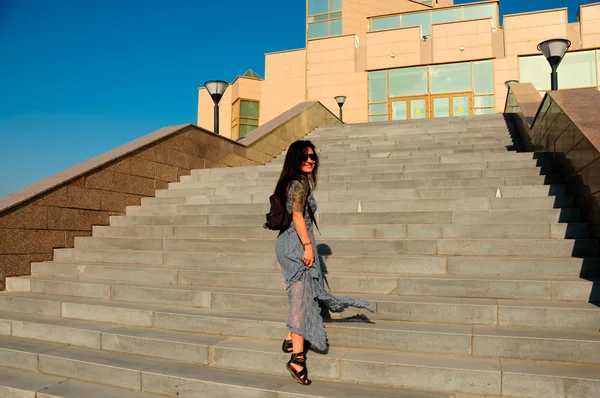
[[317, 30], [385, 23], [482, 11], [577, 70], [486, 100], [535, 70], [335, 15], [377, 89], [450, 15], [245, 129], [318, 18], [318, 7], [253, 122], [249, 109], [483, 77], [335, 5], [377, 109], [484, 111], [450, 78], [335, 27], [408, 81], [378, 118], [421, 18]]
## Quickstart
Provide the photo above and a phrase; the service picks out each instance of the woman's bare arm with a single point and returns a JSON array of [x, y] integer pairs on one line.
[[299, 197]]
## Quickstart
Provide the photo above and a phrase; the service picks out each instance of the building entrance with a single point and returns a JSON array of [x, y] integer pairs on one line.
[[421, 107]]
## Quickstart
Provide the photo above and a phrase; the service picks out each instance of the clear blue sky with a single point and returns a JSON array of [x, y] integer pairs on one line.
[[80, 77]]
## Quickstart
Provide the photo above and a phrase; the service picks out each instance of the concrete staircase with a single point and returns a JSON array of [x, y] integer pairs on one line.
[[478, 266]]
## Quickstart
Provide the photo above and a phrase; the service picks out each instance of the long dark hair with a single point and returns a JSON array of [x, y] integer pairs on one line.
[[291, 167]]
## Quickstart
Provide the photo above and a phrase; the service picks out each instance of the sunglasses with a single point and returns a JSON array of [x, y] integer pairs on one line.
[[310, 156]]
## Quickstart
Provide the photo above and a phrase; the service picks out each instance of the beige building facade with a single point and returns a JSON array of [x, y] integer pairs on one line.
[[409, 59]]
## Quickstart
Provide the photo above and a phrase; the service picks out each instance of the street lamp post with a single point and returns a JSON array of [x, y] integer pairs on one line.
[[216, 88], [554, 50], [509, 82], [340, 99]]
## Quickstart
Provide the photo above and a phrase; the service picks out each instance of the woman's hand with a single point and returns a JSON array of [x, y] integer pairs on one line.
[[309, 256]]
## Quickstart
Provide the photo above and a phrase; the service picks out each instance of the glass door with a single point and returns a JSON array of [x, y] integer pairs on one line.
[[418, 108], [408, 108], [399, 110], [447, 105]]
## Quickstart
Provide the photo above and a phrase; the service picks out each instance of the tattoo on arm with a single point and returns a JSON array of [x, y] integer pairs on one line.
[[299, 197]]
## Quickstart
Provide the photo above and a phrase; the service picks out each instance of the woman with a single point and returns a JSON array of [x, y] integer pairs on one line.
[[296, 253]]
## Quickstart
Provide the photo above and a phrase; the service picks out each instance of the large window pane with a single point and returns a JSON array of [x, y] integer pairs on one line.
[[577, 70], [450, 78], [385, 23], [486, 100], [335, 27], [378, 118], [422, 18], [317, 30], [450, 15], [249, 109], [482, 11], [484, 111], [245, 129], [377, 89], [317, 7], [377, 109], [408, 81], [483, 77], [535, 70], [335, 5]]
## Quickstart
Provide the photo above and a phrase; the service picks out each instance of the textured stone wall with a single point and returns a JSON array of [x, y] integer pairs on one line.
[[566, 127], [52, 212]]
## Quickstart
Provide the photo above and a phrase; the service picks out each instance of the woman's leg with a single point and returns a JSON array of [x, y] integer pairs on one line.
[[297, 343]]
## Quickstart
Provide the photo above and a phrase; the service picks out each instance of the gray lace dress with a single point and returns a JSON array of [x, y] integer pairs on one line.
[[305, 286]]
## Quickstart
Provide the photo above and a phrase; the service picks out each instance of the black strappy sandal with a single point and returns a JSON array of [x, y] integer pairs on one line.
[[287, 346], [302, 375]]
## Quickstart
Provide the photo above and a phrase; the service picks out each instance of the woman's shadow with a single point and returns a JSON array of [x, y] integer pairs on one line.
[[324, 251]]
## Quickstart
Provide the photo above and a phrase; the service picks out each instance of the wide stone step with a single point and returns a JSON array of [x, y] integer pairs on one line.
[[443, 156], [455, 373], [416, 141], [349, 136], [330, 169], [120, 309], [372, 263], [512, 343], [441, 183], [389, 176], [410, 147], [550, 216], [20, 384], [535, 288], [368, 206], [385, 231], [491, 342], [168, 378], [388, 194], [453, 247]]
